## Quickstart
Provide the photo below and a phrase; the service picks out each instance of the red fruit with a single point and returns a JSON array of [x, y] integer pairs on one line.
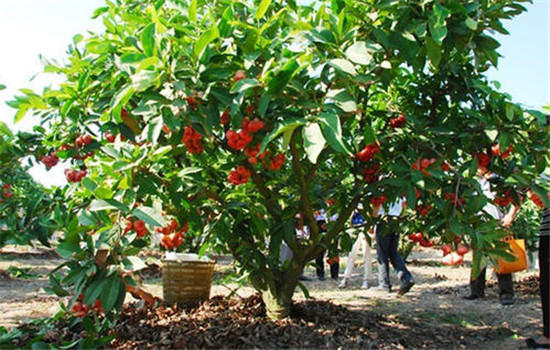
[[368, 152], [166, 129], [445, 167], [535, 198], [426, 243], [109, 137], [97, 306], [239, 176], [87, 139], [418, 237], [446, 248], [424, 163], [254, 126], [138, 225], [483, 160], [8, 194], [70, 175], [398, 122], [6, 186], [495, 149], [174, 225], [123, 113], [192, 140], [79, 310], [250, 109], [378, 201], [239, 75], [462, 249], [225, 118]]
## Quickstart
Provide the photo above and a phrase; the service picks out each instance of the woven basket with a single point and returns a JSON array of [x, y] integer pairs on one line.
[[187, 280]]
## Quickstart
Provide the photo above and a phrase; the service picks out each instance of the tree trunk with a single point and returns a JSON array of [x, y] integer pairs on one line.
[[278, 298]]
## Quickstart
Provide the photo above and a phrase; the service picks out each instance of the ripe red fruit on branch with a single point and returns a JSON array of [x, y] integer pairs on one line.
[[423, 210], [371, 174], [446, 248], [109, 137], [426, 243], [239, 75], [238, 140], [50, 160], [239, 176], [445, 167], [398, 122], [8, 194], [368, 152], [450, 196], [79, 309], [495, 150], [277, 162], [252, 153], [483, 159], [378, 201], [6, 186], [462, 249], [254, 125], [224, 119], [192, 140], [75, 175]]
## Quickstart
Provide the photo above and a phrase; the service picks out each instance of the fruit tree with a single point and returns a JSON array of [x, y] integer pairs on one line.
[[228, 119]]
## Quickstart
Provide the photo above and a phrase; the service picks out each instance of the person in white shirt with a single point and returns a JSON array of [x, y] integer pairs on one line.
[[387, 242], [505, 283], [361, 241]]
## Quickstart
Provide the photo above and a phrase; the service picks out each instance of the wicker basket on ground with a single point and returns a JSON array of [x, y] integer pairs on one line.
[[186, 278]]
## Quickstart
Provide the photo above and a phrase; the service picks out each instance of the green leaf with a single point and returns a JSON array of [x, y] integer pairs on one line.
[[193, 11], [2, 86], [148, 39], [279, 81], [304, 290], [109, 296], [150, 216], [109, 204], [133, 263], [470, 23], [358, 53], [262, 8], [332, 130], [434, 52], [314, 142], [343, 66], [342, 99], [205, 39], [286, 125], [243, 85], [368, 134]]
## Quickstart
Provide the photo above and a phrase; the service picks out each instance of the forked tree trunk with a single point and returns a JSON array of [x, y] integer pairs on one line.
[[278, 298]]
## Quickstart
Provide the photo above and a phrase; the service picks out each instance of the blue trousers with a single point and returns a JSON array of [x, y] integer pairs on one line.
[[387, 241]]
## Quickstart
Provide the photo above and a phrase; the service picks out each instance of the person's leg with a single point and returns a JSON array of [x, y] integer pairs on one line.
[[544, 267], [320, 268], [382, 252], [368, 259], [398, 263], [351, 261], [506, 287], [334, 269], [477, 285]]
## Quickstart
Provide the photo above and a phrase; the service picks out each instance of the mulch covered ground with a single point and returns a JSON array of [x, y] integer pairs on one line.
[[236, 323]]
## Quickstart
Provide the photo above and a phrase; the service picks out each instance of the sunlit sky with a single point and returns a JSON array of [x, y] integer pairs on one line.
[[30, 28]]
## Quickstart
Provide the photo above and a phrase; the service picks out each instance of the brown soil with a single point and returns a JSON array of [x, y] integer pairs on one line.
[[432, 314]]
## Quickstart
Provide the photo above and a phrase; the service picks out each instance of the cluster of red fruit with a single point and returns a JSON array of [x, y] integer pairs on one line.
[[110, 137], [454, 258], [75, 175], [239, 75], [378, 200], [371, 174], [368, 152], [505, 199], [451, 197], [272, 163], [239, 176], [192, 102], [83, 140], [495, 150], [398, 122], [79, 309], [536, 199], [7, 193], [423, 164], [172, 234], [424, 209], [50, 161], [192, 140], [76, 155], [483, 159], [224, 120], [419, 238], [136, 225], [239, 140]]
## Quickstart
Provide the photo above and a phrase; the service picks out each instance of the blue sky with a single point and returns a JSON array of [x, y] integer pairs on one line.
[[33, 27]]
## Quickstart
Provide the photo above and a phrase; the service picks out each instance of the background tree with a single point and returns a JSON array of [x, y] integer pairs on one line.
[[229, 119]]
